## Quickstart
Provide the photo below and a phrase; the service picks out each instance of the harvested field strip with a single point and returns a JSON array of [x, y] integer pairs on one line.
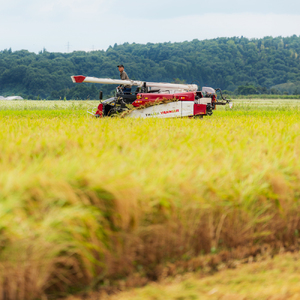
[[85, 201], [271, 279], [264, 105]]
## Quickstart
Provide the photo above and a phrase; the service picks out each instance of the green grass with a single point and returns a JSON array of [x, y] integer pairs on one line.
[[87, 201], [267, 96]]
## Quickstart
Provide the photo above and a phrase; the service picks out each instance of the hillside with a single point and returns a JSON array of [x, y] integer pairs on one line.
[[228, 63]]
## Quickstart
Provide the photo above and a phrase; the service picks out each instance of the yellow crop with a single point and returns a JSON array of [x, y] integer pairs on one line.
[[84, 200]]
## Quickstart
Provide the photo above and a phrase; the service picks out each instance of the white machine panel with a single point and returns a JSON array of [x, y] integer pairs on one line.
[[170, 110], [187, 108], [205, 100]]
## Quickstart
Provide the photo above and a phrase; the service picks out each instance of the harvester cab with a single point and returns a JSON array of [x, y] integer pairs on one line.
[[153, 99]]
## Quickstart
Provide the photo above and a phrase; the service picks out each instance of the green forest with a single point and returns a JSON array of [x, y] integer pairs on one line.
[[239, 65]]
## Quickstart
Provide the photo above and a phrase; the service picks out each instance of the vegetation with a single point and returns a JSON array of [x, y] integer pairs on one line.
[[263, 96], [270, 279], [239, 65], [108, 203], [288, 88]]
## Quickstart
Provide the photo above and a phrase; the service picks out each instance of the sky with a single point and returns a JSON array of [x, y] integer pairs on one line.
[[71, 25]]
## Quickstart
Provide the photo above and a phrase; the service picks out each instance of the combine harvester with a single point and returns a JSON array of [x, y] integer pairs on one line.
[[152, 99]]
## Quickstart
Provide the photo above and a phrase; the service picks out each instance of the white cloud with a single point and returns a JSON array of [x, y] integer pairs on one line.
[[167, 9], [77, 7], [202, 27], [36, 24]]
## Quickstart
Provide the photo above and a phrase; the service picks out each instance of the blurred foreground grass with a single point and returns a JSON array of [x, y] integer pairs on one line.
[[86, 202], [271, 279]]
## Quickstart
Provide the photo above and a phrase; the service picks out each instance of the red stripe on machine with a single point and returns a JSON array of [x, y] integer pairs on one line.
[[79, 78], [199, 109]]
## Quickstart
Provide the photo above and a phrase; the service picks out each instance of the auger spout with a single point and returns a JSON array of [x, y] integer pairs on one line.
[[157, 85]]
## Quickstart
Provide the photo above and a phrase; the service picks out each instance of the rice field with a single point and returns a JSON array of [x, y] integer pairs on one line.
[[88, 204]]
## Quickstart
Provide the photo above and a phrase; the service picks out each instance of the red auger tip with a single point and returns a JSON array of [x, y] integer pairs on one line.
[[78, 79]]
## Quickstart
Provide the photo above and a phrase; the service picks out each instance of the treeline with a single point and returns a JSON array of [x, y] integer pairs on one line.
[[239, 65]]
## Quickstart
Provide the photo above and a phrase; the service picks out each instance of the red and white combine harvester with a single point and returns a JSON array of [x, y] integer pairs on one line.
[[152, 99]]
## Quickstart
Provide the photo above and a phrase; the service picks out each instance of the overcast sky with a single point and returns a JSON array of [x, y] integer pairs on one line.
[[68, 25]]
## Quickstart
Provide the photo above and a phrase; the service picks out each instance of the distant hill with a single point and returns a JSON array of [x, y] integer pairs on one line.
[[288, 88], [228, 63]]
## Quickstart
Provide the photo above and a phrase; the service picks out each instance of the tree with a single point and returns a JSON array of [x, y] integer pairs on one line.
[[246, 90], [236, 64]]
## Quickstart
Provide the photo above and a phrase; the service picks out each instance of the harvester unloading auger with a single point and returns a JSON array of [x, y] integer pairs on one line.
[[152, 99]]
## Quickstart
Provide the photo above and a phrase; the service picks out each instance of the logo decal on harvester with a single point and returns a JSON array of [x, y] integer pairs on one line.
[[163, 113], [169, 111], [153, 114]]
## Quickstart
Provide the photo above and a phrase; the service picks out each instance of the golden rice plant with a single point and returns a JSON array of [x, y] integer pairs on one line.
[[85, 200]]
